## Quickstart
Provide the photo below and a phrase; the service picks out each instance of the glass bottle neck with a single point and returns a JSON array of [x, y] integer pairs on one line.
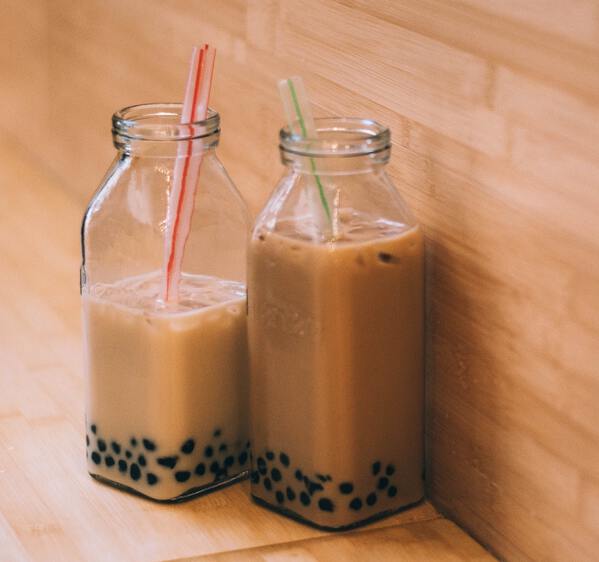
[[336, 166]]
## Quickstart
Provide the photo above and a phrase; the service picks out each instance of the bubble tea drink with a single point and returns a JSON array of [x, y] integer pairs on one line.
[[335, 292], [166, 380]]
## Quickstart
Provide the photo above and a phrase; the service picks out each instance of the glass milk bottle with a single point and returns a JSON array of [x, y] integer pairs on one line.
[[335, 322], [166, 384]]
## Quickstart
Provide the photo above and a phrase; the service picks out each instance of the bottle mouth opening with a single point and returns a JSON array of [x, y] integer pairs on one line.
[[338, 137], [161, 122]]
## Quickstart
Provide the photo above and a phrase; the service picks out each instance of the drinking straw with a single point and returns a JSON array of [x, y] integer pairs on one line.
[[181, 198], [301, 123]]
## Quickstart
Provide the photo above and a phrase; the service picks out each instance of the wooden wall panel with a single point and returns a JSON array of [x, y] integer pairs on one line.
[[494, 108]]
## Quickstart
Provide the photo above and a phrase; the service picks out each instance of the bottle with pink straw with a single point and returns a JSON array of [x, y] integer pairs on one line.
[[164, 314]]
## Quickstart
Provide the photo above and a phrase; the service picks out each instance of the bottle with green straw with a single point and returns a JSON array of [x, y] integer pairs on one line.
[[335, 325]]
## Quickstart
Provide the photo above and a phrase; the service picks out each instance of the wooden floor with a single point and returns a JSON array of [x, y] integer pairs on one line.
[[49, 507]]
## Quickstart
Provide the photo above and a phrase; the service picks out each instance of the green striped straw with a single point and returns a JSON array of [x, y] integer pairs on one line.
[[298, 113]]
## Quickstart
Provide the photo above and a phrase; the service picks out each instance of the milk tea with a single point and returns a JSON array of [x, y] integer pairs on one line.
[[166, 387], [336, 351]]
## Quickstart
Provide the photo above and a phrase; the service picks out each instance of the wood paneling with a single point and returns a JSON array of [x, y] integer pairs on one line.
[[494, 108]]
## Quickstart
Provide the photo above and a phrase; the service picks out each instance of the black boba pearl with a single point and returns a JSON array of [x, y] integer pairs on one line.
[[208, 451], [326, 504], [87, 440], [390, 470], [383, 483], [275, 474], [109, 460], [96, 457], [141, 460], [255, 477], [321, 477], [356, 504], [243, 457], [223, 447], [392, 491], [133, 442], [280, 496], [314, 487], [128, 454], [217, 433], [270, 455], [200, 469], [284, 459], [101, 445], [267, 484], [229, 461], [122, 466], [290, 494], [298, 475], [371, 498], [151, 478], [149, 445], [376, 468], [305, 498], [116, 447], [134, 472], [169, 462], [188, 446], [214, 467], [94, 428], [262, 466], [182, 475], [346, 487]]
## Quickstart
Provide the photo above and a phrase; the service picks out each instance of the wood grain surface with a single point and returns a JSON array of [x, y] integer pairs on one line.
[[50, 509], [494, 109]]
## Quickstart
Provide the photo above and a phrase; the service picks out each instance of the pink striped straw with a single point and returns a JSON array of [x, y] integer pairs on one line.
[[187, 170]]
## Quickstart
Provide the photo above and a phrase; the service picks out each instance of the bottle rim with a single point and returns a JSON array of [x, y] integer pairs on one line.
[[161, 122], [338, 137]]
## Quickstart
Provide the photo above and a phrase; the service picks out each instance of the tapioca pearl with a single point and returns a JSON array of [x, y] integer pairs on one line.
[[122, 466], [270, 455], [86, 440], [151, 479], [346, 487], [133, 442], [200, 469], [325, 504], [262, 466], [182, 475], [280, 496], [314, 487], [96, 457], [223, 447], [371, 498], [392, 491], [149, 444], [242, 459], [94, 428], [188, 447], [128, 454], [229, 461], [109, 461], [208, 451], [168, 462], [376, 468], [217, 433], [267, 483], [355, 504], [134, 472], [101, 445], [214, 467], [115, 447], [255, 477], [290, 493], [284, 459], [390, 470], [141, 460], [321, 477], [275, 474], [305, 499], [382, 483], [298, 475]]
